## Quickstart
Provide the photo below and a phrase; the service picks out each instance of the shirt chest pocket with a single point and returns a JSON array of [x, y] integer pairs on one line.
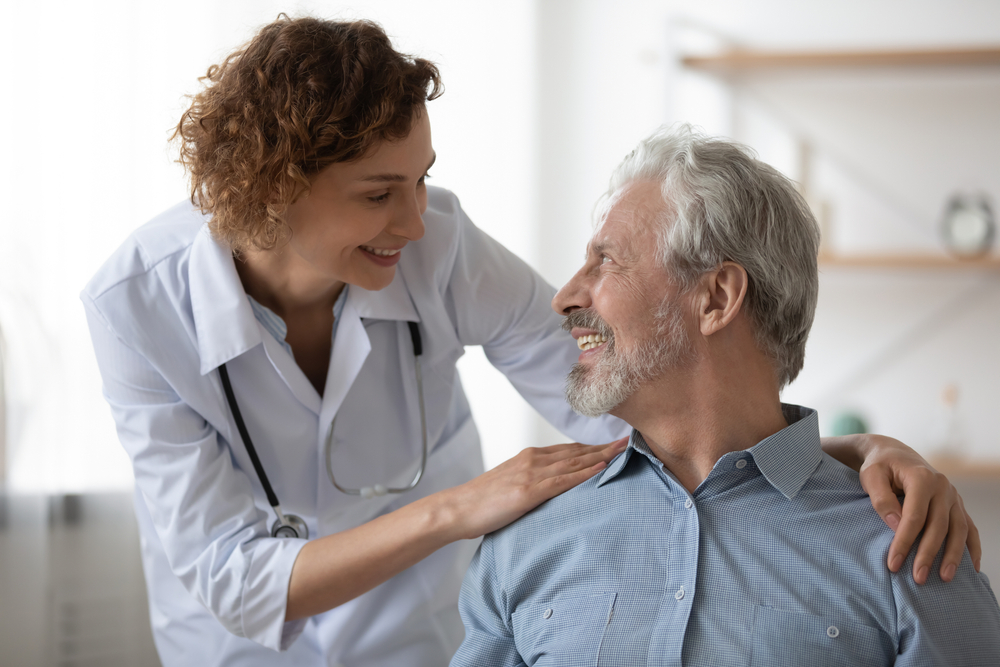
[[567, 631], [784, 638]]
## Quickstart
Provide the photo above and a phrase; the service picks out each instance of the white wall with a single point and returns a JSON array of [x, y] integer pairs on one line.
[[889, 148], [543, 98], [92, 91]]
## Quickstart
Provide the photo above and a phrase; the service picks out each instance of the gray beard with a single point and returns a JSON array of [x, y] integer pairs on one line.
[[598, 389]]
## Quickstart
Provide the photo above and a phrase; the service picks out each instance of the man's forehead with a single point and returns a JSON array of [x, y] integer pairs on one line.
[[630, 218]]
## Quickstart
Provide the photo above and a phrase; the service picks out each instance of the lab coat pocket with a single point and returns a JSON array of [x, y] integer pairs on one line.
[[791, 639], [567, 631]]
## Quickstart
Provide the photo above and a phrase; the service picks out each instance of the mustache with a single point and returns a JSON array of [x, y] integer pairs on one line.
[[586, 318]]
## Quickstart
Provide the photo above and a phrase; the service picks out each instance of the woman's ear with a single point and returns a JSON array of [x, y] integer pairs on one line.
[[722, 294]]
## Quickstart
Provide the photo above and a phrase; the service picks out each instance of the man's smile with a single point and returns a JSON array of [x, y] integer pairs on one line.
[[590, 341]]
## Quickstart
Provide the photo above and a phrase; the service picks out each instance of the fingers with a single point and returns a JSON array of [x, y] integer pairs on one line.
[[575, 456], [890, 468], [553, 486], [937, 528], [974, 543], [553, 470], [955, 544], [915, 512], [537, 474], [876, 482], [575, 448]]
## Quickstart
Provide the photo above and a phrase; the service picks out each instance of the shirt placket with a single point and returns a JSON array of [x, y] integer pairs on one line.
[[667, 642]]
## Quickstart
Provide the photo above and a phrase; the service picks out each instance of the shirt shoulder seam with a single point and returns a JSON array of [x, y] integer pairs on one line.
[[147, 267]]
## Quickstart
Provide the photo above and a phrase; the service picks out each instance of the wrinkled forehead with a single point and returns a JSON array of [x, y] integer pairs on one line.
[[629, 218]]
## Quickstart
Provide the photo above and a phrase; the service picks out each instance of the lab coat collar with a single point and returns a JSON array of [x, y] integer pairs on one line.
[[223, 319]]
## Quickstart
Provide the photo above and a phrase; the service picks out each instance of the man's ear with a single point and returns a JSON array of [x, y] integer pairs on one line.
[[721, 299]]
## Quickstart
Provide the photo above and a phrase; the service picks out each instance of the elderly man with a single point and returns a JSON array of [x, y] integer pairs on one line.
[[723, 535]]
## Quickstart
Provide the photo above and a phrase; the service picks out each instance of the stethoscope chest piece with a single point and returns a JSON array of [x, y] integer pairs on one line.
[[289, 525], [293, 527]]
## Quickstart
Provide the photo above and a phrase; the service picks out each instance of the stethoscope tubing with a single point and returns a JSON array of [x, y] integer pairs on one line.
[[291, 525], [241, 426]]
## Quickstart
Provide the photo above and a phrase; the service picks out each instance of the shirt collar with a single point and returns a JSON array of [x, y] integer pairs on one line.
[[787, 459], [224, 320]]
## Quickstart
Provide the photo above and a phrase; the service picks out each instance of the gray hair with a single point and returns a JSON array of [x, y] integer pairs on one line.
[[723, 204]]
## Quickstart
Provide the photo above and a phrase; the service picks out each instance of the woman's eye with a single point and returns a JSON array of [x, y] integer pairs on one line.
[[379, 199], [423, 179]]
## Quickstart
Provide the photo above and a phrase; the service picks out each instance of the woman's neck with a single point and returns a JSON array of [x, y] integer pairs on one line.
[[275, 280]]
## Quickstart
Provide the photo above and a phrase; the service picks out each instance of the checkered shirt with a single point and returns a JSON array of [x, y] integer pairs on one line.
[[777, 558]]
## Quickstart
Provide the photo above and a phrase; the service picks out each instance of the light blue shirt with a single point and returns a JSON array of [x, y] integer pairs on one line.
[[777, 558]]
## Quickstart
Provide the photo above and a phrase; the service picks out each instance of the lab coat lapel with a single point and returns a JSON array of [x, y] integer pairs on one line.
[[350, 349], [352, 345], [292, 375]]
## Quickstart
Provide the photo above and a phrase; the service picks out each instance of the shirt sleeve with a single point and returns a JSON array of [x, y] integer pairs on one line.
[[214, 537], [501, 303], [955, 623], [489, 637]]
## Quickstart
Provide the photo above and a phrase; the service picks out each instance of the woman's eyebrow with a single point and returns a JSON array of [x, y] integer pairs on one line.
[[393, 178]]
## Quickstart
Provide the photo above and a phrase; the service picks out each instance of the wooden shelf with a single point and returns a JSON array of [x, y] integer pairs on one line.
[[928, 261], [967, 468], [745, 61]]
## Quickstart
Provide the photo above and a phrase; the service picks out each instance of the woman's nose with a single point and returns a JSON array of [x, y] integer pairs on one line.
[[409, 221]]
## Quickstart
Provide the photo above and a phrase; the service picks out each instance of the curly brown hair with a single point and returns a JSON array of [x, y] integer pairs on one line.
[[302, 94]]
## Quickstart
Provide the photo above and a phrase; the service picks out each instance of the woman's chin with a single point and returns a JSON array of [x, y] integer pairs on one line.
[[373, 281]]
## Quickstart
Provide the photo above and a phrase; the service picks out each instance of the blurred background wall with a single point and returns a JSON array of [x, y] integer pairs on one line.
[[544, 97]]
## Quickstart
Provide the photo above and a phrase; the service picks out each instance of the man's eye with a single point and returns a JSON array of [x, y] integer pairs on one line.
[[605, 260]]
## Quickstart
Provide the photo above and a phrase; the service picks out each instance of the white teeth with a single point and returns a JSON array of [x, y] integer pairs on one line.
[[379, 251], [590, 341]]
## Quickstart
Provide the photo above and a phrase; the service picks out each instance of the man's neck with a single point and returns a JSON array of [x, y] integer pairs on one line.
[[694, 417]]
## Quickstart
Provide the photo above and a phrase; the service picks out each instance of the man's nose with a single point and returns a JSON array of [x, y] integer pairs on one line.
[[573, 295]]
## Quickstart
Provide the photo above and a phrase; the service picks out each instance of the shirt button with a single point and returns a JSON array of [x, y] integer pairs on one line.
[[832, 632], [679, 595], [547, 614], [742, 463], [688, 504]]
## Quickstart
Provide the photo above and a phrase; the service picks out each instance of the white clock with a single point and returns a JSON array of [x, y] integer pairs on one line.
[[968, 226]]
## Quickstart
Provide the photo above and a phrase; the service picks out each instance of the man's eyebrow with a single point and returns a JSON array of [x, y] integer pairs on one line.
[[598, 248], [393, 178]]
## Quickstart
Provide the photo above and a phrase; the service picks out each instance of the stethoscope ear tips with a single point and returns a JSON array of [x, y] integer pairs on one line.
[[373, 491]]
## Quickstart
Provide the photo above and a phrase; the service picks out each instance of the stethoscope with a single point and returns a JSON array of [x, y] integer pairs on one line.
[[290, 525]]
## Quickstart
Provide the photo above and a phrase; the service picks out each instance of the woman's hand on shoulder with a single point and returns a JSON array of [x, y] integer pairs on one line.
[[931, 505], [516, 486]]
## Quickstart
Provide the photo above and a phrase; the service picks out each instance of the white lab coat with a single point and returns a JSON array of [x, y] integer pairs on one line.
[[168, 308]]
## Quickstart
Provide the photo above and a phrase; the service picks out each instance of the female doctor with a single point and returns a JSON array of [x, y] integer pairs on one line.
[[279, 358]]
